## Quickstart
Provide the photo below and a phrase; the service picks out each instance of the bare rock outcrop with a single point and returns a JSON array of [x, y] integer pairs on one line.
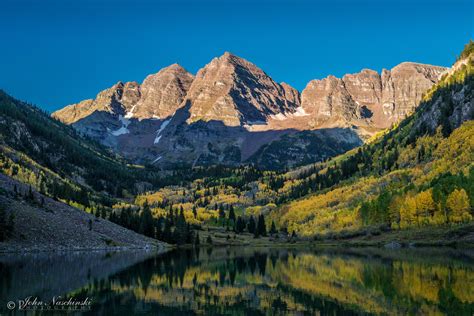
[[368, 97], [162, 93], [159, 96], [115, 100]]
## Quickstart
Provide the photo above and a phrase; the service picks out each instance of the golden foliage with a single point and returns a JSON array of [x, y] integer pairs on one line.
[[458, 206]]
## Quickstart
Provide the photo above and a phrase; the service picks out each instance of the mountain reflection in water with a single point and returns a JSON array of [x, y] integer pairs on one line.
[[249, 281]]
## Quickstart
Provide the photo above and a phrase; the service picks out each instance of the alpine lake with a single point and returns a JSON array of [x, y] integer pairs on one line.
[[240, 281]]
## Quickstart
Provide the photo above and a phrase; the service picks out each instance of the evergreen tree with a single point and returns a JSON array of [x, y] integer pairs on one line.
[[197, 240], [239, 226], [273, 229], [189, 235], [251, 225], [181, 231], [209, 240], [231, 213], [261, 229], [167, 234], [158, 227], [222, 215], [171, 215], [146, 221]]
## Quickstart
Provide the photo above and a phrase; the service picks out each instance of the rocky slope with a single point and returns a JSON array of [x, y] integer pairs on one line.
[[46, 224], [232, 108], [452, 99]]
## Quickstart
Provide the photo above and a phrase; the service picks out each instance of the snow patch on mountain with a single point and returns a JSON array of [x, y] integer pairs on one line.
[[122, 130], [160, 130], [163, 126], [157, 140], [129, 114], [300, 112], [125, 121], [279, 117]]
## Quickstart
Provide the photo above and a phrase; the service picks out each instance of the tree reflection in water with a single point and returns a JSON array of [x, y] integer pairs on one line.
[[238, 281]]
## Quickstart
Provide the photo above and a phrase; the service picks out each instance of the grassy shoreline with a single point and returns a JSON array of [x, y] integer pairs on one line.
[[459, 236]]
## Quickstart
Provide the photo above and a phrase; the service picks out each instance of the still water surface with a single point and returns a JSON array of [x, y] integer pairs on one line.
[[246, 281]]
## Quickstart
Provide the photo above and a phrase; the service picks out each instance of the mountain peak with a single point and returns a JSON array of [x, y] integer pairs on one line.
[[174, 67], [416, 66], [234, 91]]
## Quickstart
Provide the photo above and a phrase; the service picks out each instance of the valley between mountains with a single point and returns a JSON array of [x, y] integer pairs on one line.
[[230, 157]]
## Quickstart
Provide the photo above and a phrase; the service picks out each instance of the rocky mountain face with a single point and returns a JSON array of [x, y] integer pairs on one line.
[[108, 116], [162, 93], [233, 112], [368, 98], [158, 96], [453, 100], [236, 92]]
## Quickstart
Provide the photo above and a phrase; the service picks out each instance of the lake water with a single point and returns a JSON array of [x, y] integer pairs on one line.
[[244, 281]]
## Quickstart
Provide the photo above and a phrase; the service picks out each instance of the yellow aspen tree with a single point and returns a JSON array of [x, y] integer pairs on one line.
[[425, 207], [458, 206], [394, 211], [408, 212], [439, 218]]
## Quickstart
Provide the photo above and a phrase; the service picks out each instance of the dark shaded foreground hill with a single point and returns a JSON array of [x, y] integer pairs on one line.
[[42, 223]]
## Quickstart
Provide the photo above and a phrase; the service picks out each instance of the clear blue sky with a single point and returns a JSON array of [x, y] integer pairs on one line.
[[54, 53]]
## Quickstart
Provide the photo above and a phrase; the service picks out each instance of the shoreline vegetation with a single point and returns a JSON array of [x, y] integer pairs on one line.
[[459, 237]]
